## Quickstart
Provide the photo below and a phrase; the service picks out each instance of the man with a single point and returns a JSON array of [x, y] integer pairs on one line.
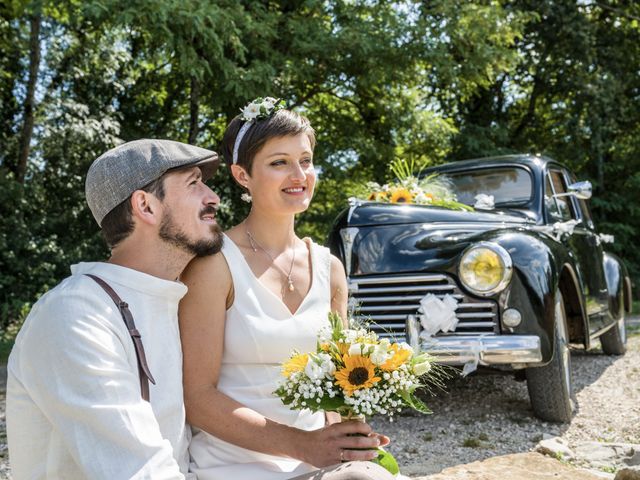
[[76, 377]]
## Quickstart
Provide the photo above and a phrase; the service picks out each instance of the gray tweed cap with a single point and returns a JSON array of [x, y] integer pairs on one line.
[[116, 174]]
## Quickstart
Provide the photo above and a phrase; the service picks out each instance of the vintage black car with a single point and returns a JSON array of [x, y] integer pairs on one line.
[[529, 275]]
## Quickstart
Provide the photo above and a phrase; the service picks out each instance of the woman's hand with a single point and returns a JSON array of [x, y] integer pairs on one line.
[[338, 442]]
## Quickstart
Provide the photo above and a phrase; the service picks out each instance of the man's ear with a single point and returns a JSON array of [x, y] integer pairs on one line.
[[145, 207], [240, 175]]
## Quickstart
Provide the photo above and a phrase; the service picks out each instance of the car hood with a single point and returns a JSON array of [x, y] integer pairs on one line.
[[397, 239], [366, 214]]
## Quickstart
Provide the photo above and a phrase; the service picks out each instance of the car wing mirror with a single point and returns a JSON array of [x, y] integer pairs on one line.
[[581, 190]]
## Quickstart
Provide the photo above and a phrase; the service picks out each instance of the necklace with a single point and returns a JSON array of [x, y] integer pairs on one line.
[[254, 244]]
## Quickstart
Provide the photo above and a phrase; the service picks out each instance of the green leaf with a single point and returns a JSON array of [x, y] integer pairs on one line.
[[414, 402], [387, 461]]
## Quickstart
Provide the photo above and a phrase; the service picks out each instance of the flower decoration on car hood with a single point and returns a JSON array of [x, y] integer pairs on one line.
[[409, 188]]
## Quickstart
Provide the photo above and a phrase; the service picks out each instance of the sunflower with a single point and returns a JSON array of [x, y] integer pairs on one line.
[[295, 364], [357, 373], [400, 357], [378, 196], [401, 195]]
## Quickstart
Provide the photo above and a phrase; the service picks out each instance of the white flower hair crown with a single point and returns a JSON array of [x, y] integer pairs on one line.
[[258, 109]]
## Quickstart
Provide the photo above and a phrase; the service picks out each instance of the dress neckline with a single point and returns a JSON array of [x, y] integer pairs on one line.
[[310, 254]]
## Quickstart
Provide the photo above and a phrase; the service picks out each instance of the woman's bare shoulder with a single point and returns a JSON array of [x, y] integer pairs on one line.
[[211, 267], [337, 269]]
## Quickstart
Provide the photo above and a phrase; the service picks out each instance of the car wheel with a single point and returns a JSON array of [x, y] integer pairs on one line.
[[614, 340], [550, 387]]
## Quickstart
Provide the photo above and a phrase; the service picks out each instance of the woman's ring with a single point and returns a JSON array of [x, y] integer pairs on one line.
[[342, 455]]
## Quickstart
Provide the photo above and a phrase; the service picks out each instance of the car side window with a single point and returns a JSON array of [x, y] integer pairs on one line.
[[560, 208], [586, 213]]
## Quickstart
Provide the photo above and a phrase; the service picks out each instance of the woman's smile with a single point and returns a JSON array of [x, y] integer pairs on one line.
[[294, 190]]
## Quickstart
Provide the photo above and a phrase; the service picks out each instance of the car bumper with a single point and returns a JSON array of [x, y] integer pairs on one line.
[[487, 350]]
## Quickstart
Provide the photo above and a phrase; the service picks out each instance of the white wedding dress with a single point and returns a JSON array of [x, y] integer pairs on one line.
[[261, 333]]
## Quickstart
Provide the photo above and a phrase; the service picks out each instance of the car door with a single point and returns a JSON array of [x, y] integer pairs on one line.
[[583, 242]]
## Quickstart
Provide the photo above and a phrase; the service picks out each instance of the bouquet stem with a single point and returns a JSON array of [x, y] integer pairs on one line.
[[352, 416], [384, 458]]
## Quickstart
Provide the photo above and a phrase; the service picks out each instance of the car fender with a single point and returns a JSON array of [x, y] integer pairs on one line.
[[541, 267], [615, 275]]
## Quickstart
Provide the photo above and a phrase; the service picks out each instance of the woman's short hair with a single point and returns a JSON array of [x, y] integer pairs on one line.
[[281, 124]]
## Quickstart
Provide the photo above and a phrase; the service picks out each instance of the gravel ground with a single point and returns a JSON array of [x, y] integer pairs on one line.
[[485, 415]]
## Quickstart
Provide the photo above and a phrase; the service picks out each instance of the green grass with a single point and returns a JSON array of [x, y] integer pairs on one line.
[[471, 442], [635, 307]]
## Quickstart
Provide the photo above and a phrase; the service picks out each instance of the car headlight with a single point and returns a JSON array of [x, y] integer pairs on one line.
[[485, 268]]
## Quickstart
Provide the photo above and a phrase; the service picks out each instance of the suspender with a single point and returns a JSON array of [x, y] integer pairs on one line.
[[143, 368]]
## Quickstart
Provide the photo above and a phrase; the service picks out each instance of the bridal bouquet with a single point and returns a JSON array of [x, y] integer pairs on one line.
[[355, 373]]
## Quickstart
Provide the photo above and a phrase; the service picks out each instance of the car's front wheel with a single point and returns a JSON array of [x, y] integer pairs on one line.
[[550, 387]]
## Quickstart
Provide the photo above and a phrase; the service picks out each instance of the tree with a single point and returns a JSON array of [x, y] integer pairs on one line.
[[433, 81]]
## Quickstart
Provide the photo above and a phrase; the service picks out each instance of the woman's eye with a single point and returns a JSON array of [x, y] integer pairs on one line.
[[306, 161], [277, 163]]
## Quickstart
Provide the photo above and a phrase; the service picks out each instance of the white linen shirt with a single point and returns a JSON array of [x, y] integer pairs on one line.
[[74, 407]]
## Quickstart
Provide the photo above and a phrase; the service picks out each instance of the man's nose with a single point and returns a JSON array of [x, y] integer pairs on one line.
[[212, 197]]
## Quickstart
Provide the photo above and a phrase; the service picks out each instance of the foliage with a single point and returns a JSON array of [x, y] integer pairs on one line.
[[424, 81]]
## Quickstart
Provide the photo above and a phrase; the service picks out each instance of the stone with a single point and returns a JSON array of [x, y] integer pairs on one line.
[[518, 466], [634, 459], [608, 456], [554, 447], [602, 475], [628, 473], [604, 452]]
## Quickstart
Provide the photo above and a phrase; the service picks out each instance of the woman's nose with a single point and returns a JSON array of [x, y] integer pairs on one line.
[[298, 173]]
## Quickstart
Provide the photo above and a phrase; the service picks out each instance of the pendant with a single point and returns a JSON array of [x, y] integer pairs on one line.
[[290, 282]]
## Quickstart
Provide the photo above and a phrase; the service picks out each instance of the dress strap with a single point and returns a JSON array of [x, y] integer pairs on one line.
[[321, 260]]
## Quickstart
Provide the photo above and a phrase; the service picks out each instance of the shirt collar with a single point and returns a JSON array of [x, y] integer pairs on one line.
[[133, 279]]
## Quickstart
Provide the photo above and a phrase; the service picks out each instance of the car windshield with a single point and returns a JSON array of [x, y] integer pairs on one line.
[[510, 186]]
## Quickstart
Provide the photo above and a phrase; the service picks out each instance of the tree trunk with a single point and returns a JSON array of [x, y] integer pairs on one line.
[[194, 108], [29, 104]]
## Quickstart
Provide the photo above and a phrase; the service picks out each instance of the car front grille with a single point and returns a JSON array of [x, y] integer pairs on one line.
[[386, 301]]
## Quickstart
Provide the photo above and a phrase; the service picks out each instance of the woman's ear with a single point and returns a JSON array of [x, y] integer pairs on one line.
[[240, 175], [145, 207]]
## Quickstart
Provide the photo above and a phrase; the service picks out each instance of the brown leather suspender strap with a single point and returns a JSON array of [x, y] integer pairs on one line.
[[143, 368]]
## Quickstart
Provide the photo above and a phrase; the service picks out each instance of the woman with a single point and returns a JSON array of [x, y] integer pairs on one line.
[[266, 294]]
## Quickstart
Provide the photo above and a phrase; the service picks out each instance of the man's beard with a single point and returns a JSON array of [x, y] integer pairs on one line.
[[171, 234]]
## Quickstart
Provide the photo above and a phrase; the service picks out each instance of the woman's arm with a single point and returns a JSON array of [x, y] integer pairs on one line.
[[202, 323], [339, 289], [339, 296], [339, 299]]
